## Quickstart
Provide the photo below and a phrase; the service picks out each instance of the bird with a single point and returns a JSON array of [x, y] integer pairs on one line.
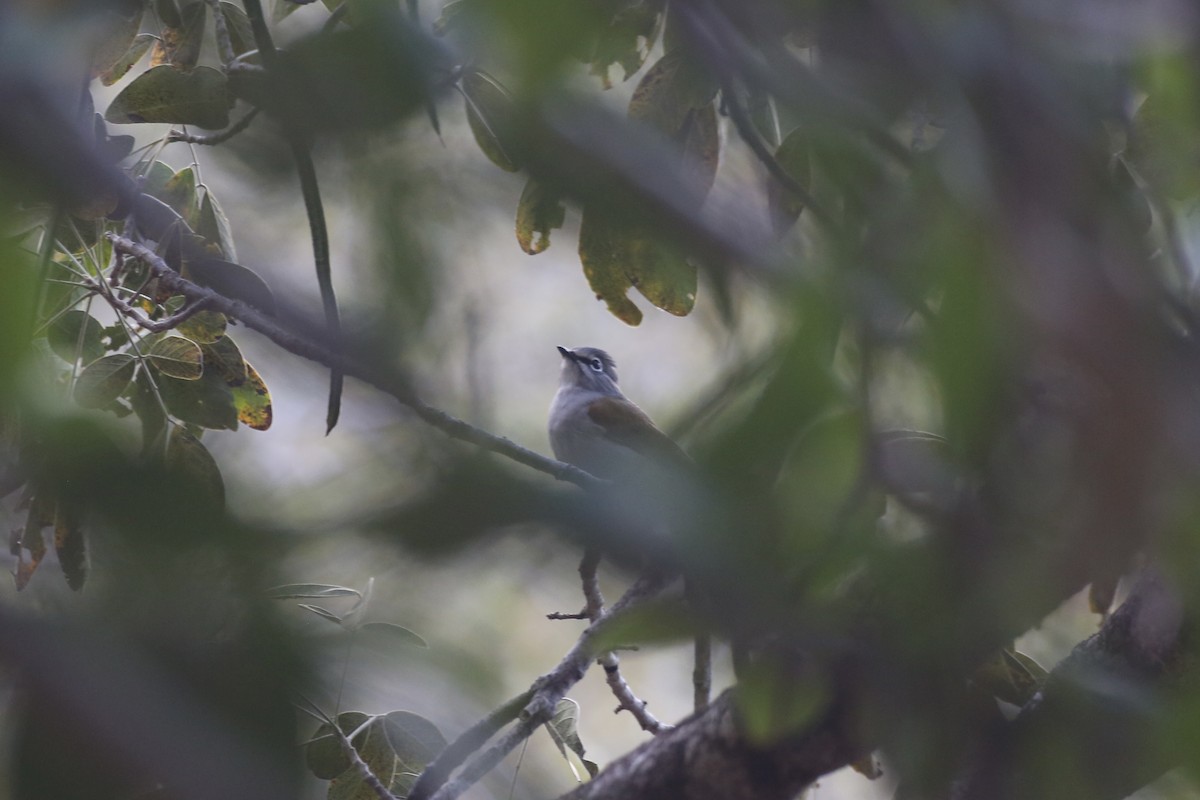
[[595, 427]]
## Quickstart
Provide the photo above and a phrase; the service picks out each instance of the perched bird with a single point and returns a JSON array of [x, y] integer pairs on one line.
[[596, 428]]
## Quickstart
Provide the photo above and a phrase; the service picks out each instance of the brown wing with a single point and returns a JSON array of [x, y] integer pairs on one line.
[[627, 425]]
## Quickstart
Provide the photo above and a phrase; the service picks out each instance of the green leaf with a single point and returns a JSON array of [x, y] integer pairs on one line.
[[137, 48], [104, 380], [281, 9], [155, 178], [491, 113], [564, 730], [323, 755], [76, 335], [292, 591], [386, 631], [601, 250], [120, 34], [700, 138], [179, 45], [775, 701], [168, 12], [177, 357], [164, 94], [206, 402], [241, 35], [233, 281], [179, 192], [323, 613], [253, 401], [149, 412], [206, 328], [793, 157], [190, 460], [70, 543], [224, 356], [674, 86], [627, 38], [213, 225], [540, 211], [415, 740]]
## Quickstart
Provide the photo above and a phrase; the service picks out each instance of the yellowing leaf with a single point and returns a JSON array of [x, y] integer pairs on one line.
[[179, 46], [253, 401], [627, 38], [121, 30], [204, 328], [177, 357], [602, 254], [540, 211], [104, 380], [137, 48], [165, 94]]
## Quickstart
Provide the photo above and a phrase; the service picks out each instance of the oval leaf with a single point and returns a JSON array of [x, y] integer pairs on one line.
[[415, 740], [206, 402], [564, 730], [395, 633], [540, 211], [137, 48], [191, 461], [324, 755], [121, 34], [205, 328], [177, 357], [76, 335], [253, 401], [233, 281], [104, 380], [241, 36], [213, 225], [164, 94], [309, 590], [224, 356], [602, 254], [490, 113], [793, 157]]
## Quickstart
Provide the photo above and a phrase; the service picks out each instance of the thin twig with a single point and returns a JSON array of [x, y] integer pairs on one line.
[[224, 42], [387, 381], [609, 662], [215, 138], [546, 691]]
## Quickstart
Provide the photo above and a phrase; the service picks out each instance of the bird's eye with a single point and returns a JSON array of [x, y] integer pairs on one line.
[[596, 365]]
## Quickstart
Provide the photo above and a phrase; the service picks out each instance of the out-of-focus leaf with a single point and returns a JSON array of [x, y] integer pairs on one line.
[[415, 740], [281, 9], [657, 622], [190, 460], [774, 701], [141, 43], [627, 39], [701, 142], [674, 86], [177, 357], [121, 31], [213, 225], [205, 328], [324, 755], [603, 255], [793, 157], [70, 543], [234, 281], [1162, 147], [168, 12], [150, 413], [42, 513], [76, 334], [387, 631], [253, 401], [490, 113], [179, 192], [224, 356], [179, 46], [323, 613], [104, 380], [619, 251], [206, 402], [241, 35], [564, 730], [540, 211], [165, 94], [292, 591]]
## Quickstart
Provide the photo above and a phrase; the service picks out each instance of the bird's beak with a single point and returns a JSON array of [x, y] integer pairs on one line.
[[565, 353]]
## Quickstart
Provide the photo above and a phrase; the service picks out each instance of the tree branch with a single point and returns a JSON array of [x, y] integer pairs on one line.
[[387, 381], [544, 694]]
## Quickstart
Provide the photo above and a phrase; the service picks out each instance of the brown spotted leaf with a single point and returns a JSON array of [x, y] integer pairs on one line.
[[253, 401], [540, 211]]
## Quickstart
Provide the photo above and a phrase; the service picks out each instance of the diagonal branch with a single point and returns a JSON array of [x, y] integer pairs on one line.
[[386, 380]]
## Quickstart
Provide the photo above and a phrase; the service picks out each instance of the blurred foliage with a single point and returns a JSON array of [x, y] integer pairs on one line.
[[969, 229]]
